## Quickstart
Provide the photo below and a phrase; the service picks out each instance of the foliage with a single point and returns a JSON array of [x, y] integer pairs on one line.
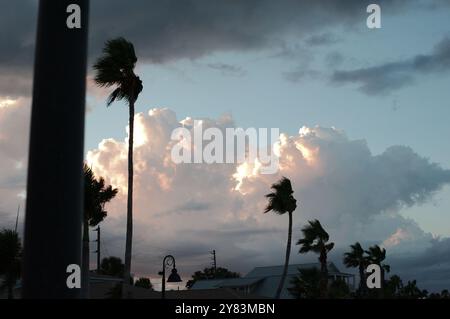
[[356, 258], [281, 200], [144, 283], [338, 290], [306, 285], [315, 239], [96, 195], [210, 273], [112, 266], [10, 259], [116, 68]]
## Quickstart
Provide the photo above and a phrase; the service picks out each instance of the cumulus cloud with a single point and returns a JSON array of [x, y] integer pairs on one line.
[[388, 77], [189, 209]]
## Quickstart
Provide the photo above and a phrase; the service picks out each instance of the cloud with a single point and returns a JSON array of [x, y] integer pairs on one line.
[[227, 69], [431, 267], [388, 77], [322, 39], [190, 209], [14, 120], [165, 31]]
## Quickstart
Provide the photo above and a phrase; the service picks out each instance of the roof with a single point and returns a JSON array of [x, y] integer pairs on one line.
[[223, 283], [207, 284], [239, 282], [269, 271]]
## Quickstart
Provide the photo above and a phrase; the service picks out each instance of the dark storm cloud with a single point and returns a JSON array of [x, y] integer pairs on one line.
[[169, 30], [431, 268], [388, 77]]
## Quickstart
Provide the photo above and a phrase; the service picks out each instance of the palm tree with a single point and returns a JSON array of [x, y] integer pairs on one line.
[[393, 286], [306, 284], [116, 68], [96, 195], [356, 258], [315, 239], [281, 201], [10, 260], [376, 255]]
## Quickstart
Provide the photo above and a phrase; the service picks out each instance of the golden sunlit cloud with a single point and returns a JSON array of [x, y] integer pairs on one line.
[[246, 170], [396, 238], [6, 102], [308, 154]]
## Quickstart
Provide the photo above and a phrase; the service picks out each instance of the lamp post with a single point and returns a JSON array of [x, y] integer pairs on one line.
[[168, 261]]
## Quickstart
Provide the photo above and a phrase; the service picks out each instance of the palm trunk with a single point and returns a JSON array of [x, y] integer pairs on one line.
[[382, 282], [286, 262], [324, 272], [362, 280], [129, 235], [85, 264]]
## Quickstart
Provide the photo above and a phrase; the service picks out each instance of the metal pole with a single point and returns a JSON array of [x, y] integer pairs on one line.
[[53, 222], [168, 263], [163, 285]]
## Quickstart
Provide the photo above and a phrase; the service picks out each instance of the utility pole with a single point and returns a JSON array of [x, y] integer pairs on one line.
[[17, 219], [54, 206], [214, 263], [98, 249]]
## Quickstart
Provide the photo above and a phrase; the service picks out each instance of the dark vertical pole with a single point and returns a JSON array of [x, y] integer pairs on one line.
[[98, 249], [214, 262], [53, 221], [17, 219], [163, 284]]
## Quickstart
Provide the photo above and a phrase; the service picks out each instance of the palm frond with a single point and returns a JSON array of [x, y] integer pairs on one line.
[[281, 200]]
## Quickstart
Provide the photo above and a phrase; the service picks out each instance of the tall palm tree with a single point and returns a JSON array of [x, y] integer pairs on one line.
[[96, 195], [115, 68], [10, 260], [315, 239], [356, 258], [376, 255], [281, 201]]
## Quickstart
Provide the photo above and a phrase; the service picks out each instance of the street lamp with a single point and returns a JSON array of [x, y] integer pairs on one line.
[[168, 261]]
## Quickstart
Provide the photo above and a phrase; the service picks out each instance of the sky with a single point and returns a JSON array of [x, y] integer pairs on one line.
[[375, 101]]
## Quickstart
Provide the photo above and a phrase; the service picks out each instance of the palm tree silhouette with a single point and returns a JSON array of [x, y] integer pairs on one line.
[[315, 239], [281, 201], [376, 255], [10, 260], [356, 258], [116, 68], [306, 284], [96, 195]]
